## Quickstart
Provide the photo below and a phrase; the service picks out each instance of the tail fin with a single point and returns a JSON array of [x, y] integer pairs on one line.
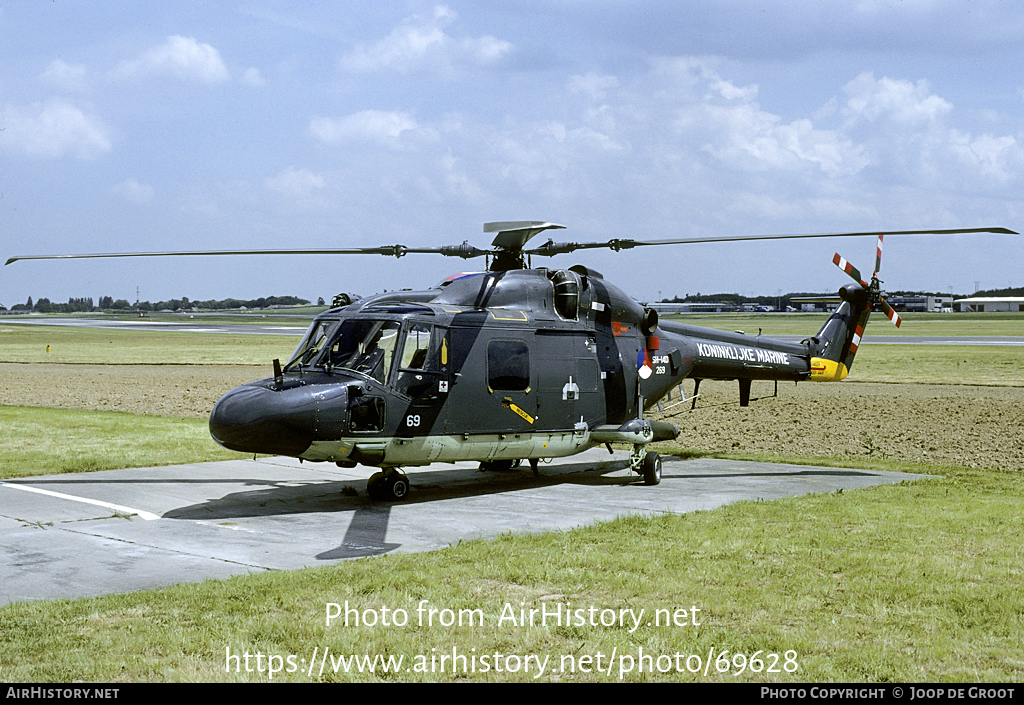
[[839, 338]]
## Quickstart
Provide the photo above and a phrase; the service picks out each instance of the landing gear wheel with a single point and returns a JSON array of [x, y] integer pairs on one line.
[[373, 485], [399, 486], [390, 486], [651, 469]]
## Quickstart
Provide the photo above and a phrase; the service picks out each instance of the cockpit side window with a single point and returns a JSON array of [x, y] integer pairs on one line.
[[365, 346], [414, 350], [417, 361]]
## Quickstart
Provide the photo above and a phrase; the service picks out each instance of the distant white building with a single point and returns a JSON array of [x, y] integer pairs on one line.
[[990, 303], [920, 302]]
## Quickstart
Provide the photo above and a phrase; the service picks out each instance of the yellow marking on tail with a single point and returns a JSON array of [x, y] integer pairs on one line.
[[827, 370]]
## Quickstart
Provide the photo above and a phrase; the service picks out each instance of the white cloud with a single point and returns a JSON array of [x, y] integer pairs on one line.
[[726, 121], [901, 101], [421, 43], [374, 125], [594, 85], [182, 57], [134, 192], [71, 77], [748, 138], [457, 182], [1000, 157], [485, 50], [297, 183], [54, 130], [253, 77], [917, 145], [730, 91]]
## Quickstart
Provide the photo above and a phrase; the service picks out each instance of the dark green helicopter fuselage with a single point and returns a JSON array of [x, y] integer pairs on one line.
[[499, 366]]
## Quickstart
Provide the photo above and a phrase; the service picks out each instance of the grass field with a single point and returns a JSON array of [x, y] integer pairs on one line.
[[28, 344], [917, 582], [908, 583], [43, 441]]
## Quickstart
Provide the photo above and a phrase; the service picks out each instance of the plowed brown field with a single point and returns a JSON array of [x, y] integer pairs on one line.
[[969, 426]]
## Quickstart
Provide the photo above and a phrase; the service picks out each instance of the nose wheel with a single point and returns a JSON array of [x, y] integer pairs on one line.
[[652, 469], [389, 485], [647, 465]]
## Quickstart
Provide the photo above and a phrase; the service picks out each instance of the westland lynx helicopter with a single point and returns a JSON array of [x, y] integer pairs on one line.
[[510, 364]]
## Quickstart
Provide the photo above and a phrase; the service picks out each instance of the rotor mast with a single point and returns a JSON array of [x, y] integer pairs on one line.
[[511, 237]]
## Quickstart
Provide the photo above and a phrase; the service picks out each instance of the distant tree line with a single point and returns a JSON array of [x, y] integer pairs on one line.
[[108, 303], [1019, 291]]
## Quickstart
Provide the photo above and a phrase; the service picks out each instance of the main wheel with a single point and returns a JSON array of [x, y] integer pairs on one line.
[[389, 487], [652, 469], [398, 486]]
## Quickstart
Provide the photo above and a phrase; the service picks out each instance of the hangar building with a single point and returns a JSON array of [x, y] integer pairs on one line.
[[920, 302]]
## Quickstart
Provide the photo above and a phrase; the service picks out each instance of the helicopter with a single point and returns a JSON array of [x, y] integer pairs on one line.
[[511, 363]]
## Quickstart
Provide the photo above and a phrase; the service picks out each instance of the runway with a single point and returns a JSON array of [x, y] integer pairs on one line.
[[68, 536]]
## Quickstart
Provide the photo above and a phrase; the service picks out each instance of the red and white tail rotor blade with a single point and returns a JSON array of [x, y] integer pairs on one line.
[[844, 265], [891, 313], [855, 274]]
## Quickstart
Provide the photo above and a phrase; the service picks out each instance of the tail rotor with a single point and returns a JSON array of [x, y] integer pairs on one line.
[[874, 286]]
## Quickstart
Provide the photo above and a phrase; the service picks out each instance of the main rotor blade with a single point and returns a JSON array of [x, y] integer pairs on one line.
[[516, 238], [554, 248], [465, 251]]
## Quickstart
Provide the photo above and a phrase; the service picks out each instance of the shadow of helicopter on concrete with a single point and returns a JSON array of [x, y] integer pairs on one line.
[[468, 490]]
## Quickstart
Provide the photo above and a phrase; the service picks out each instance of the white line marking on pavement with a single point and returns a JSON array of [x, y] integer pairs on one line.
[[148, 516]]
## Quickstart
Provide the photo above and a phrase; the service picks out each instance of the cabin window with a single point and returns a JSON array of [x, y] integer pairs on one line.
[[508, 365]]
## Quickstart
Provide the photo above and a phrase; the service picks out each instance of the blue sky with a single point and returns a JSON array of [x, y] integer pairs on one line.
[[129, 126]]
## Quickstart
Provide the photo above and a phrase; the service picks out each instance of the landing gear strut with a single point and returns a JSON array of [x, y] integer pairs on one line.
[[389, 485]]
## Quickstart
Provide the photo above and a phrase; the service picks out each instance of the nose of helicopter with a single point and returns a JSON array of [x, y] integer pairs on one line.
[[259, 419]]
